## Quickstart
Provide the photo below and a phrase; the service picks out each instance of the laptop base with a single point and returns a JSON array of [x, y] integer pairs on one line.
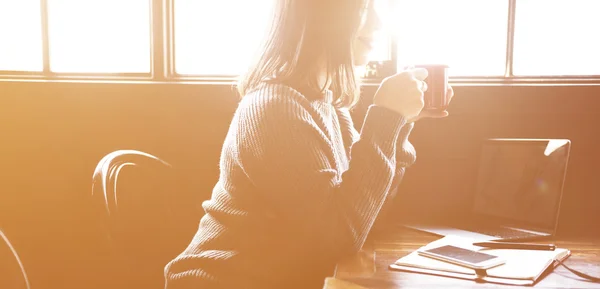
[[443, 230]]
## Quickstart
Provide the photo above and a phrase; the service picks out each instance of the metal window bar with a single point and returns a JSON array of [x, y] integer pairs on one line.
[[510, 38], [45, 37], [159, 54], [167, 20]]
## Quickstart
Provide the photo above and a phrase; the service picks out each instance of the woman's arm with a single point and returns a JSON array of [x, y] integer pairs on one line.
[[405, 157], [290, 160], [405, 154]]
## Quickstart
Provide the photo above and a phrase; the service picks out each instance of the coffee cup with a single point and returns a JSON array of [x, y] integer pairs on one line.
[[436, 96]]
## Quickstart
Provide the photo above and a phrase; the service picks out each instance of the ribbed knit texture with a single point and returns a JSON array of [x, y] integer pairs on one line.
[[299, 189]]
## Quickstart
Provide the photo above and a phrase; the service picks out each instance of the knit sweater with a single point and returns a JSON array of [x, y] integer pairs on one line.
[[299, 189]]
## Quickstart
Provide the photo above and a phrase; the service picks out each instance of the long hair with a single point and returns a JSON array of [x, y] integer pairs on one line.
[[306, 37]]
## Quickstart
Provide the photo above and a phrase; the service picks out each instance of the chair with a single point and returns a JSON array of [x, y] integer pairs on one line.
[[12, 272], [145, 218], [104, 183]]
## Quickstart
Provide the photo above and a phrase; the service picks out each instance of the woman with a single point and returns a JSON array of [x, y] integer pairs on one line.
[[299, 188]]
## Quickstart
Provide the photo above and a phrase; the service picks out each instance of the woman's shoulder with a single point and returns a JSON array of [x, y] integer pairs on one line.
[[272, 110]]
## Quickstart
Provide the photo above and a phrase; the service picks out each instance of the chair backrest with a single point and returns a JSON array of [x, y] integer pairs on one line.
[[12, 272], [104, 183], [146, 219]]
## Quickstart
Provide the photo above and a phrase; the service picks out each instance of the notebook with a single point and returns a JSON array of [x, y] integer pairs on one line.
[[522, 267]]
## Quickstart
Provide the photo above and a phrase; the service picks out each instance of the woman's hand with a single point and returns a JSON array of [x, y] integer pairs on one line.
[[435, 114], [403, 92]]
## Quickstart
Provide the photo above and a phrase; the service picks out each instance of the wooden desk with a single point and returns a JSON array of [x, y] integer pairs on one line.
[[394, 243]]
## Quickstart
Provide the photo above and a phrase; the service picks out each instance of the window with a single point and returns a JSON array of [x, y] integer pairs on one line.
[[217, 37], [99, 36], [212, 40], [554, 37], [20, 35], [468, 35]]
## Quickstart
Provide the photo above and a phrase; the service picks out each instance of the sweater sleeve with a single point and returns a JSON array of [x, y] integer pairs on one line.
[[290, 161], [405, 157]]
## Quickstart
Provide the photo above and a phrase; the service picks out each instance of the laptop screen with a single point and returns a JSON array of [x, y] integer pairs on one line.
[[522, 180]]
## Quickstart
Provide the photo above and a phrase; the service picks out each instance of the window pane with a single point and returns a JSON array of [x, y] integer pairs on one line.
[[557, 37], [468, 35], [99, 36], [218, 37], [21, 35]]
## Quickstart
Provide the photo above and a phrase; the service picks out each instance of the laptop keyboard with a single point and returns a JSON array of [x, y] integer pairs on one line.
[[504, 233]]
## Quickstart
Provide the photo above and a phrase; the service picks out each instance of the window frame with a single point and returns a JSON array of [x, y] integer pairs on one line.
[[162, 60], [47, 74]]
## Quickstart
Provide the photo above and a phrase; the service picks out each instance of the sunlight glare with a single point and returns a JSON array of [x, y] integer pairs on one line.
[[557, 37], [381, 45], [467, 35], [21, 35], [99, 36], [554, 145], [218, 37]]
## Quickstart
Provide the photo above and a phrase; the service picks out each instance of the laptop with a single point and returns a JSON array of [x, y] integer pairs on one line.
[[518, 191]]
